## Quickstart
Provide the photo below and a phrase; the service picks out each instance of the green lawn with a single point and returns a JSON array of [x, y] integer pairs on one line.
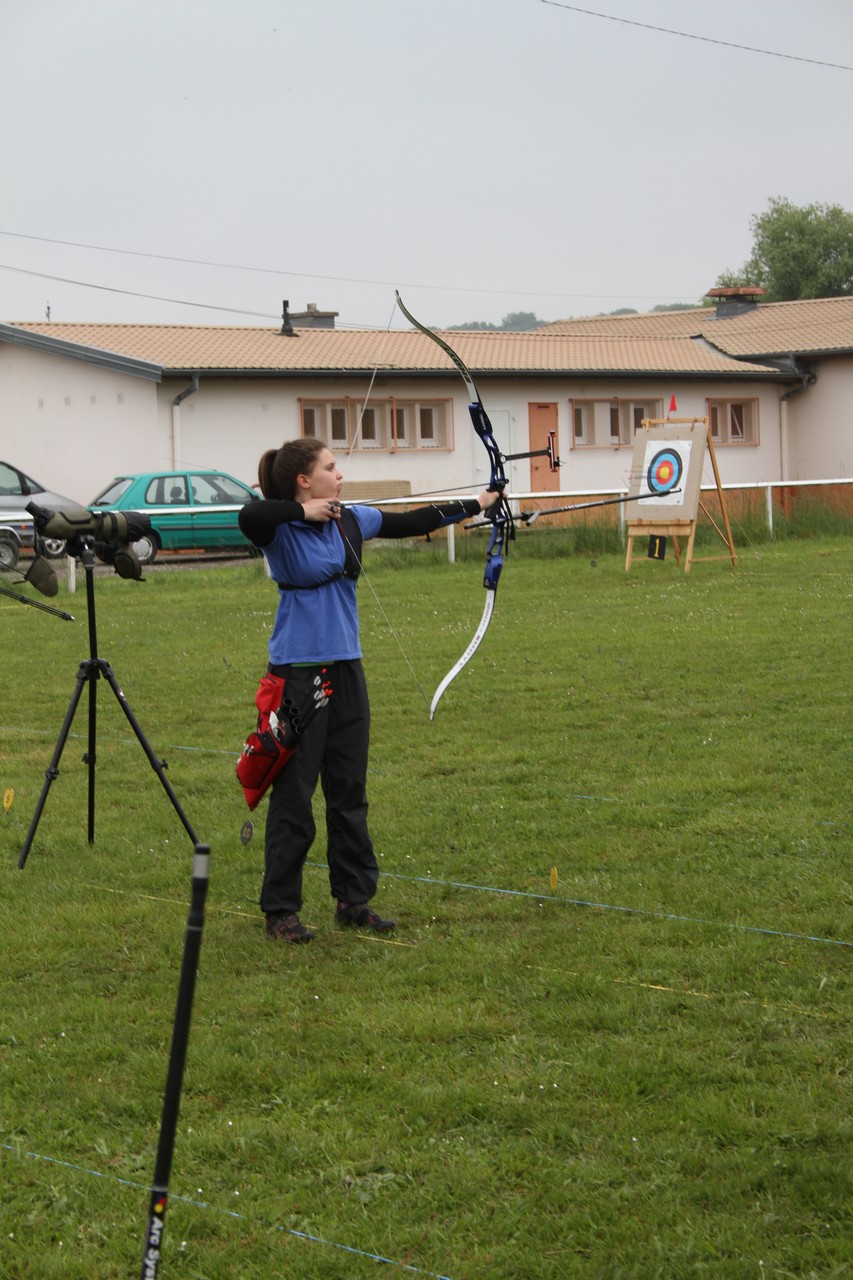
[[611, 1036]]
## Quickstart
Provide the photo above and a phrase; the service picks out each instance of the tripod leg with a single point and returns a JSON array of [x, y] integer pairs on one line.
[[156, 765], [91, 752], [84, 673]]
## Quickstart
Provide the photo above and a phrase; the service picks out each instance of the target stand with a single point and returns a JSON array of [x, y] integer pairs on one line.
[[661, 533], [666, 473]]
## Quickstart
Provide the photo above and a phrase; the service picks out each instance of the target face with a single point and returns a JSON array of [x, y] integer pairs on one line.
[[665, 468], [665, 471]]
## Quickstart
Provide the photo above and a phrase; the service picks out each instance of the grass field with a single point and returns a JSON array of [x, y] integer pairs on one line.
[[611, 1036]]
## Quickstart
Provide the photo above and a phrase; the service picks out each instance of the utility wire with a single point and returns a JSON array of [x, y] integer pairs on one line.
[[689, 35], [264, 315], [279, 271], [130, 293]]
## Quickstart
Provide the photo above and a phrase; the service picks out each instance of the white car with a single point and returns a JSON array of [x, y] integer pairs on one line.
[[17, 489]]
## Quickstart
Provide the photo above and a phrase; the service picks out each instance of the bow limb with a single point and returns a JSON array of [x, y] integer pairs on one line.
[[499, 516], [488, 609]]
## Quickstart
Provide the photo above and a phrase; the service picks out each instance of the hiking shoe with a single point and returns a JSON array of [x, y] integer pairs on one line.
[[362, 917], [287, 927]]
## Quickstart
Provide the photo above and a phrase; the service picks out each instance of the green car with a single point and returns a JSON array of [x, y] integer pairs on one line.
[[193, 509]]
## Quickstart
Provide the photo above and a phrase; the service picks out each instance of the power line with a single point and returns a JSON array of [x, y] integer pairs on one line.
[[279, 271], [130, 293], [689, 35], [264, 315]]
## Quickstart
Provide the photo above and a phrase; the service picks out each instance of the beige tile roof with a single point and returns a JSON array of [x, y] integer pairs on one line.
[[652, 324], [810, 327], [183, 348]]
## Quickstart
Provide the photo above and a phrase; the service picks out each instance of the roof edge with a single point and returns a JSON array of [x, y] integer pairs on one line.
[[77, 351]]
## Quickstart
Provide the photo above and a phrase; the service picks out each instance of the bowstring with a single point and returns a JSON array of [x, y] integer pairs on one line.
[[373, 377], [347, 542], [379, 606]]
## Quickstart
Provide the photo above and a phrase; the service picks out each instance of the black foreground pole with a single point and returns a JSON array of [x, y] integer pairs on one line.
[[174, 1080]]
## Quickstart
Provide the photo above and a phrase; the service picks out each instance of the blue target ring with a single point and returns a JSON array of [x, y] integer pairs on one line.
[[664, 471]]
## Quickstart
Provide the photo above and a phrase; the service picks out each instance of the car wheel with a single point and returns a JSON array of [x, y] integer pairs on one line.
[[146, 548], [54, 547], [8, 553]]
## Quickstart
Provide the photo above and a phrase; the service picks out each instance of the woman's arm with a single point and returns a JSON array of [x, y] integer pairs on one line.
[[423, 520], [259, 520]]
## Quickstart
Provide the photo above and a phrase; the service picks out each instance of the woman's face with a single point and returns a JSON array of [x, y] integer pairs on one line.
[[324, 479]]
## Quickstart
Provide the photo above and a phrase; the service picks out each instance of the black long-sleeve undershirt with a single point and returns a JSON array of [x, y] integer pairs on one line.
[[259, 520]]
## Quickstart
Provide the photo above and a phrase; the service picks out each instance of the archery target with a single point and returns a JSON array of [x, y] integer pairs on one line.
[[665, 468]]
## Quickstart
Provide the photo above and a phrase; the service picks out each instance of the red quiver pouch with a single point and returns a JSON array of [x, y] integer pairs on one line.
[[280, 726]]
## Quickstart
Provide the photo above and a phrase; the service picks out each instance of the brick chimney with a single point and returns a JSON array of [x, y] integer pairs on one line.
[[735, 301], [312, 318]]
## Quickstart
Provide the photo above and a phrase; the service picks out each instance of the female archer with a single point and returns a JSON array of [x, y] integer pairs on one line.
[[312, 545]]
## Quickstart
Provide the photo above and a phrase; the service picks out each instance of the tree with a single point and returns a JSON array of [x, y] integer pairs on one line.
[[798, 252], [517, 321]]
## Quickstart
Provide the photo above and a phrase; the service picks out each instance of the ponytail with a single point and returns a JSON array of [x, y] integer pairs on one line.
[[278, 468]]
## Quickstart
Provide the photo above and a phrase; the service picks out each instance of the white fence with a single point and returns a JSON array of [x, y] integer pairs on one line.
[[567, 496]]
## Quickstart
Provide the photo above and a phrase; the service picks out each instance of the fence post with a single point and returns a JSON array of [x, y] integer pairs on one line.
[[769, 499]]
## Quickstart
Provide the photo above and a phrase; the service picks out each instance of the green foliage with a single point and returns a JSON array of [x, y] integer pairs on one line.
[[517, 321], [798, 252], [521, 1083]]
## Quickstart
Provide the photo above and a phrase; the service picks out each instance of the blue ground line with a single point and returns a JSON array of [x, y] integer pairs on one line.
[[228, 1213], [607, 906]]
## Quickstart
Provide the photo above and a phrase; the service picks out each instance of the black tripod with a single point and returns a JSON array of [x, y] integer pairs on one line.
[[89, 672]]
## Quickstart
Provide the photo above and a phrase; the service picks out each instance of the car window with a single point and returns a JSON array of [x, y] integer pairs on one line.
[[166, 490], [109, 496], [218, 489], [13, 483], [9, 481]]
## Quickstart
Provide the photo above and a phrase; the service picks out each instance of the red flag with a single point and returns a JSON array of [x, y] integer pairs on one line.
[[672, 405]]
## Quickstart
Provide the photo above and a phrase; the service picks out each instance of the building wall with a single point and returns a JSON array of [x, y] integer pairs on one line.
[[72, 425], [820, 425], [229, 423], [75, 425], [595, 468]]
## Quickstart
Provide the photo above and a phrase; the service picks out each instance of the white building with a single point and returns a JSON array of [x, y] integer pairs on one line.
[[80, 403]]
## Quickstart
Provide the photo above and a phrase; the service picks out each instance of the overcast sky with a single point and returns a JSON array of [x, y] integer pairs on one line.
[[483, 156]]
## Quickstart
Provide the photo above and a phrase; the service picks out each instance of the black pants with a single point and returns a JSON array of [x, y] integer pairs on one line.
[[334, 749]]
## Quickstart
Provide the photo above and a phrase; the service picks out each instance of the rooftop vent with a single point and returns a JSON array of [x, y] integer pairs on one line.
[[313, 318], [735, 301]]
